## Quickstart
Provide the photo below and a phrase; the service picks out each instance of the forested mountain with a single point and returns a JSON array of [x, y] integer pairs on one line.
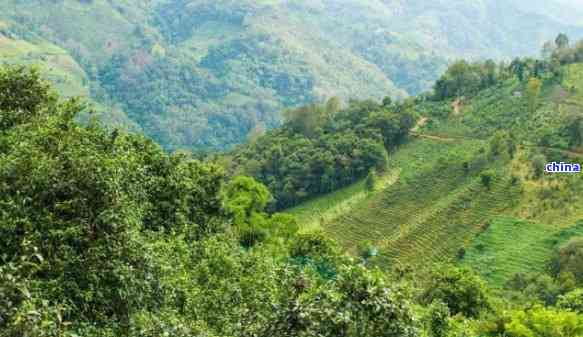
[[202, 74], [457, 230]]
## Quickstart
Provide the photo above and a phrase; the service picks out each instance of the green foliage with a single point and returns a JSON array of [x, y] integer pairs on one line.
[[312, 245], [317, 152], [104, 234], [23, 96], [438, 318], [465, 79], [502, 144], [371, 181], [538, 163], [562, 41], [533, 89], [461, 290], [244, 197], [305, 120], [358, 304], [572, 301], [544, 322], [574, 129], [487, 177], [537, 287], [498, 254], [203, 74], [569, 259]]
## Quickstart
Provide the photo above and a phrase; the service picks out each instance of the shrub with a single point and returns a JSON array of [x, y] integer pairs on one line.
[[371, 181], [569, 259], [487, 177], [572, 301], [461, 290]]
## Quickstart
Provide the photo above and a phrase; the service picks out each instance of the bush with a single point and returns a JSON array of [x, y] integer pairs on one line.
[[371, 181], [541, 321], [312, 245], [487, 177], [461, 290], [438, 317], [572, 301], [538, 163], [569, 259], [250, 236]]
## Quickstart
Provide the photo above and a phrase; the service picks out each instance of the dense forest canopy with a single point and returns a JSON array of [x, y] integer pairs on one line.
[[321, 148], [202, 75]]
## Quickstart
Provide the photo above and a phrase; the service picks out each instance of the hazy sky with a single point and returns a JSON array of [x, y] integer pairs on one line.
[[578, 3]]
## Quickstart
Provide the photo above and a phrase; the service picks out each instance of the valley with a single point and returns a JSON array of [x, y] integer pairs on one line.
[[275, 168], [203, 75]]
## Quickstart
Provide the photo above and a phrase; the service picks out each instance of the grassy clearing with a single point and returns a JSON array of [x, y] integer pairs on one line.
[[509, 246]]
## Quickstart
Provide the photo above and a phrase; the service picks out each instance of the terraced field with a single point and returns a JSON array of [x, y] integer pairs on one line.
[[511, 246], [451, 222], [314, 213], [439, 209], [435, 208]]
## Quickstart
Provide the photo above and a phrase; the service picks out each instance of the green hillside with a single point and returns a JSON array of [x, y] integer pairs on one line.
[[439, 208], [431, 216], [201, 74], [510, 246]]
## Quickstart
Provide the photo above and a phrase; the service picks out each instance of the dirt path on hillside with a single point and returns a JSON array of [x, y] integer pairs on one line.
[[448, 139], [571, 153], [420, 123], [435, 137]]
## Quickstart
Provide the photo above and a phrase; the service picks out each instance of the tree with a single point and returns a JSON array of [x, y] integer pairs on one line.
[[333, 105], [569, 259], [245, 198], [462, 291], [460, 79], [486, 178], [562, 41], [572, 301], [439, 325], [371, 180], [87, 200], [305, 120], [490, 74], [573, 126], [365, 301], [538, 165], [23, 95], [518, 67], [541, 321], [502, 144], [533, 89]]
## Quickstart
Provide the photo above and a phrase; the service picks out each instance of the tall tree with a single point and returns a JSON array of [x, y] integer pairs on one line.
[[562, 41]]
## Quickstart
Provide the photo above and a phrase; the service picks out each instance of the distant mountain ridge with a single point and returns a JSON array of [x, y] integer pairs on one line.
[[202, 74]]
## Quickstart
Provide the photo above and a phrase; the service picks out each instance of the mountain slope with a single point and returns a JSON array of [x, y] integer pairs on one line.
[[202, 74], [466, 193]]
